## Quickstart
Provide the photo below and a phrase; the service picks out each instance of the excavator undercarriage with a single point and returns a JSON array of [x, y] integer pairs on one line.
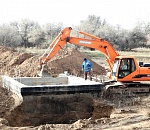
[[134, 87], [130, 90]]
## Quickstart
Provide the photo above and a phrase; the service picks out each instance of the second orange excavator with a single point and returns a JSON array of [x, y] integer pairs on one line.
[[126, 78]]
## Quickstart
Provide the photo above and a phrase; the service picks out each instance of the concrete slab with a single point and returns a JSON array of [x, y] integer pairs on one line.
[[49, 85]]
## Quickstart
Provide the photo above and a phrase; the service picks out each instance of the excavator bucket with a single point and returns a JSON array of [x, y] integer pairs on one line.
[[43, 72]]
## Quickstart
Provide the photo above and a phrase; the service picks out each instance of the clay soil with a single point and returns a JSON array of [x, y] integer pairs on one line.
[[129, 116]]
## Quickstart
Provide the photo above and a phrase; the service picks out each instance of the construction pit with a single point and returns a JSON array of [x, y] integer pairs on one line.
[[28, 109], [60, 100], [71, 110]]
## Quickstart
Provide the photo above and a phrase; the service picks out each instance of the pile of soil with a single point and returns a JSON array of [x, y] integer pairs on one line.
[[14, 64], [71, 60]]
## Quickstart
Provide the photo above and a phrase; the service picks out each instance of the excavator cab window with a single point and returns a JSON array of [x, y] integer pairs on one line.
[[126, 67], [115, 67]]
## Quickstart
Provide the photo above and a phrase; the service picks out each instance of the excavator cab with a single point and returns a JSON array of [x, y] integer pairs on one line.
[[122, 68]]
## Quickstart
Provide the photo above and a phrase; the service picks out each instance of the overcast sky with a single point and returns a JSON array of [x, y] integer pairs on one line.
[[70, 12]]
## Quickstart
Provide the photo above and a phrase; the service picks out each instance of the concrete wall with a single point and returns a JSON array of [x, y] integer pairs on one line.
[[32, 85], [51, 109], [12, 85], [33, 81], [47, 107]]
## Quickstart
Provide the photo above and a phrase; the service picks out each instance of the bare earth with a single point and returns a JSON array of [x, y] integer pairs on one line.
[[127, 116]]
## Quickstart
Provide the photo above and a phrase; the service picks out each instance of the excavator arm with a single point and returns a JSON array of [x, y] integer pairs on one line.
[[133, 73], [91, 42]]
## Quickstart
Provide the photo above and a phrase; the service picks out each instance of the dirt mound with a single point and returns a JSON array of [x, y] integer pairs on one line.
[[10, 60], [101, 110], [13, 63], [71, 60]]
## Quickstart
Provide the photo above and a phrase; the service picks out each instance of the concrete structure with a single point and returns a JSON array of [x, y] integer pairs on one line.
[[46, 100], [43, 85]]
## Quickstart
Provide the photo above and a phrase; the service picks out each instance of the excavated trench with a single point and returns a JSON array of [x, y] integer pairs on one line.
[[60, 100]]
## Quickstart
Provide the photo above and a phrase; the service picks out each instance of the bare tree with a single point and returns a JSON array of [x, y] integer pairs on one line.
[[51, 31], [9, 36], [24, 28]]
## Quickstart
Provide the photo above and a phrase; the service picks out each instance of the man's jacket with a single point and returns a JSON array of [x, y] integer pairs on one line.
[[87, 65]]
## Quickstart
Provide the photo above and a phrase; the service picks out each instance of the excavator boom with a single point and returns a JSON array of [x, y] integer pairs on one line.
[[91, 42]]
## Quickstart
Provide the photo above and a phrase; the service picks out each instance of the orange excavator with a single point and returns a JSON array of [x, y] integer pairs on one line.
[[129, 77]]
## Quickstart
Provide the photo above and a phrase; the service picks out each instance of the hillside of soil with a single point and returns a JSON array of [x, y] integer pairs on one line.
[[13, 63]]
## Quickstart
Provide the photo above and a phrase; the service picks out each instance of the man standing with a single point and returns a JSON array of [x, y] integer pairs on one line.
[[87, 67]]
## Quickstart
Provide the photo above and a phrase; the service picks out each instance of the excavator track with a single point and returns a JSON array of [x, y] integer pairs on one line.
[[129, 87], [125, 93], [134, 87]]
